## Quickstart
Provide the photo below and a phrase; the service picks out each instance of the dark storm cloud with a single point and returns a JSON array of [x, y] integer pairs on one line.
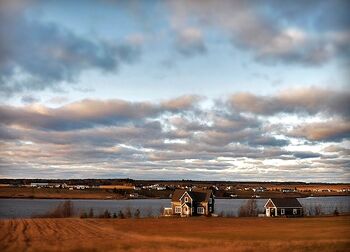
[[36, 55]]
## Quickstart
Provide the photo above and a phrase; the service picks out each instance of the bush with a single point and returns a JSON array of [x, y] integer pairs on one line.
[[121, 215], [336, 212], [249, 209], [221, 214], [105, 214], [83, 215]]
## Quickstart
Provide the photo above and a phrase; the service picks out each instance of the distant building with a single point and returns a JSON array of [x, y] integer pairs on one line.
[[81, 187], [289, 207], [133, 195], [191, 203], [287, 190], [39, 184]]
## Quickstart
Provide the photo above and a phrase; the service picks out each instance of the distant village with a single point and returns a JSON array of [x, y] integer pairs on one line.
[[128, 188]]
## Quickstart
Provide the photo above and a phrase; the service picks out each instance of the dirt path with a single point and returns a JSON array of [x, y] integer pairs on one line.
[[199, 234]]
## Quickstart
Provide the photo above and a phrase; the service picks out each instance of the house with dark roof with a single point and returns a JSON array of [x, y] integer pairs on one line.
[[191, 203], [289, 207]]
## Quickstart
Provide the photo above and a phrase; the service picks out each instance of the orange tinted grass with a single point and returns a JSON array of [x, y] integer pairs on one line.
[[195, 234]]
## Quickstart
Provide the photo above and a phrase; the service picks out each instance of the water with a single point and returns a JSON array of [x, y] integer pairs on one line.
[[24, 208]]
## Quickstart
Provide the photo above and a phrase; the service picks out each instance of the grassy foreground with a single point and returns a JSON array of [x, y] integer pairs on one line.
[[192, 234]]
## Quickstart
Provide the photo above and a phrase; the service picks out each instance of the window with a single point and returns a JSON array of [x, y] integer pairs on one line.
[[210, 209], [200, 210], [282, 211], [210, 201], [295, 211], [186, 199], [177, 209]]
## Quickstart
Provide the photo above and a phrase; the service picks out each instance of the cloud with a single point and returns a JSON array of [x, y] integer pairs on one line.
[[273, 31], [338, 149], [189, 42], [181, 103], [306, 154], [52, 54], [179, 137], [334, 130], [89, 113], [28, 99], [311, 100]]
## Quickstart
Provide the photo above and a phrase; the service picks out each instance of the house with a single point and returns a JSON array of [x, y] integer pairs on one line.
[[289, 207], [39, 185], [191, 203], [287, 190], [81, 187]]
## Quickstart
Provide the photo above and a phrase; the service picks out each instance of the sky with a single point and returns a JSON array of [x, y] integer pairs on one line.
[[204, 90]]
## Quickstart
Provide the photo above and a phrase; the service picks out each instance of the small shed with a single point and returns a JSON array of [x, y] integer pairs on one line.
[[289, 207]]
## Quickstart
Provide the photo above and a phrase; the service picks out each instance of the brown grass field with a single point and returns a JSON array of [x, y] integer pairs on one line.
[[173, 234], [53, 193]]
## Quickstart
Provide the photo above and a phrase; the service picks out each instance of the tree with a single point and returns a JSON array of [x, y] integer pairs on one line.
[[161, 210], [128, 213], [91, 213], [249, 209], [318, 210], [67, 209], [106, 214], [137, 213]]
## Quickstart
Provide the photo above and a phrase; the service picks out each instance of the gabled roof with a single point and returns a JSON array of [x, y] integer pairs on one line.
[[177, 194], [198, 195], [286, 202]]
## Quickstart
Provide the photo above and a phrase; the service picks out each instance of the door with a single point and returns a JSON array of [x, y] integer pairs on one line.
[[186, 210], [272, 212]]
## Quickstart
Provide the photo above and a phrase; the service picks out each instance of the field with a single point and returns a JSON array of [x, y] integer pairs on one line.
[[193, 234], [53, 193]]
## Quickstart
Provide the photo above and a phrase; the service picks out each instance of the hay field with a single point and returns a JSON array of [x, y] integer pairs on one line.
[[193, 234], [55, 193]]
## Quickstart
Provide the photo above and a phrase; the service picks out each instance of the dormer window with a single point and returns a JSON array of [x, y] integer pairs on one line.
[[186, 199]]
